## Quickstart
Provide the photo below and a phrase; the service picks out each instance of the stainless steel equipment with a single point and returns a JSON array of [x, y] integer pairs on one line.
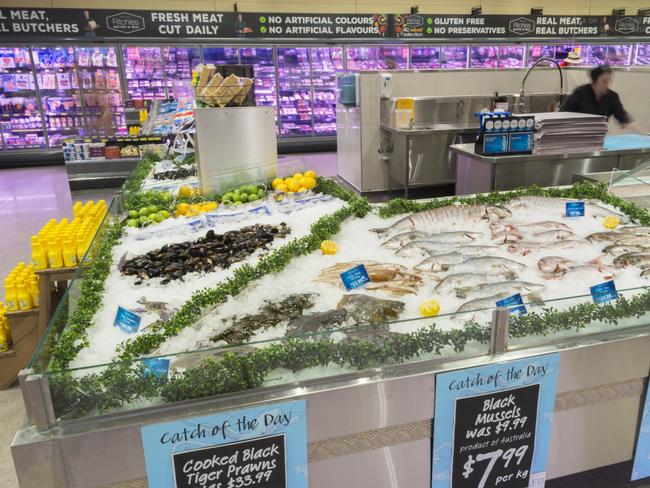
[[420, 156], [521, 106]]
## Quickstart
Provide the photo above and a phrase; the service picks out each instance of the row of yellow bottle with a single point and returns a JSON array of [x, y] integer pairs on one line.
[[21, 288], [5, 333], [64, 243]]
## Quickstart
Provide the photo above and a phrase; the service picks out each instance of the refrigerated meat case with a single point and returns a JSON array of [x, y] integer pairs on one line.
[[51, 92]]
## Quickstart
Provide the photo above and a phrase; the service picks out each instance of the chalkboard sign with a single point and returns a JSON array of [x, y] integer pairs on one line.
[[259, 447], [492, 424], [494, 439], [254, 463]]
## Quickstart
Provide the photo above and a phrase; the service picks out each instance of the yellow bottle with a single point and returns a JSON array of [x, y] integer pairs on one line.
[[54, 256], [24, 298], [11, 295], [34, 291], [69, 254], [4, 341]]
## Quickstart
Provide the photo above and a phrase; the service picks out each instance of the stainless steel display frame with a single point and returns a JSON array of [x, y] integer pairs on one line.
[[383, 440]]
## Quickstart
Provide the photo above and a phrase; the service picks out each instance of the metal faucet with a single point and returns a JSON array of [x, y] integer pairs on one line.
[[522, 108]]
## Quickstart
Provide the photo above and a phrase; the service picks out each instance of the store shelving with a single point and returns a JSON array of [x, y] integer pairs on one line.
[[263, 61], [99, 78], [425, 57], [58, 82], [619, 54], [484, 57], [144, 73], [179, 63], [221, 55], [511, 56], [325, 63], [294, 91], [642, 54], [21, 121], [454, 57]]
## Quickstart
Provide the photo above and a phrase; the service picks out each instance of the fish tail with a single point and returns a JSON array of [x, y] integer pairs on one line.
[[380, 230], [462, 292]]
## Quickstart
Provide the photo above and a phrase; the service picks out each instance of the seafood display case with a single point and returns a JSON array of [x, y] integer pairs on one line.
[[58, 84], [374, 351], [22, 120]]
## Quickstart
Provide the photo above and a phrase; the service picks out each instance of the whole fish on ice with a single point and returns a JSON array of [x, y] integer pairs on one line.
[[508, 287], [557, 206], [488, 265], [463, 280], [405, 237], [439, 218], [437, 242]]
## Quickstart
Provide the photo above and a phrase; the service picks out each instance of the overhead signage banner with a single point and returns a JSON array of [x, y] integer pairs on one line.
[[60, 23], [86, 23], [492, 424], [257, 447]]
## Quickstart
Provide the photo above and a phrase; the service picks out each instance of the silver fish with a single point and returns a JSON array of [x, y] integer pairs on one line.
[[463, 280], [645, 273], [618, 249], [593, 208], [637, 230], [555, 266], [422, 248], [481, 303], [508, 287], [605, 236], [525, 247], [487, 264], [553, 235], [400, 239], [440, 262], [642, 260], [437, 241], [533, 227], [436, 218], [632, 240]]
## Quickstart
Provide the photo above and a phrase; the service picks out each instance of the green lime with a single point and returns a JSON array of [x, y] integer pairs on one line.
[[226, 202], [158, 218], [133, 214], [152, 216], [144, 211], [243, 189], [164, 213], [243, 197], [251, 189], [133, 223], [261, 194], [238, 203], [166, 196], [236, 198], [229, 196], [153, 209], [143, 220], [252, 197]]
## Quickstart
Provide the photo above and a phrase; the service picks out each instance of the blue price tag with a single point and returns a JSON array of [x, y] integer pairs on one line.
[[355, 277], [126, 320], [156, 366], [514, 303], [495, 143], [604, 292], [575, 209]]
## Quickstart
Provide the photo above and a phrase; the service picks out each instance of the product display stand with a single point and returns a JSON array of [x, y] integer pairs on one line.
[[52, 283], [25, 335]]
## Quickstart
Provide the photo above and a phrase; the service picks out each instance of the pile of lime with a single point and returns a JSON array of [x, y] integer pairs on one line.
[[243, 194], [147, 216]]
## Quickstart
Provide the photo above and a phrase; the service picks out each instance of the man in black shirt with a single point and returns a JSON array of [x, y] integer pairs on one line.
[[597, 99]]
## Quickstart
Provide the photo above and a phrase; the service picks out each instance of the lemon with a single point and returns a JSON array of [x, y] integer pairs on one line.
[[611, 222], [310, 174], [430, 308], [195, 207], [297, 176], [328, 247], [301, 189], [288, 180], [308, 182], [210, 205], [294, 185], [282, 187], [182, 208], [185, 191]]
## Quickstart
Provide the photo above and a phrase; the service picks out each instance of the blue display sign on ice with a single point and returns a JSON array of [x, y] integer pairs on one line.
[[127, 321], [156, 366], [575, 209], [255, 447], [355, 277], [514, 303], [492, 424], [604, 292], [641, 466]]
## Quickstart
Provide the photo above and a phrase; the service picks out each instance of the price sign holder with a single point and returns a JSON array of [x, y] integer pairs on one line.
[[126, 320], [604, 292], [575, 209], [256, 448], [492, 424], [355, 277], [641, 466]]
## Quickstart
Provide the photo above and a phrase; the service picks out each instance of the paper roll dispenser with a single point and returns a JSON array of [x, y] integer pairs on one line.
[[349, 90]]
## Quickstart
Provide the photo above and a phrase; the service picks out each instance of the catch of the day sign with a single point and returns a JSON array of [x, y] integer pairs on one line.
[[259, 447], [492, 424]]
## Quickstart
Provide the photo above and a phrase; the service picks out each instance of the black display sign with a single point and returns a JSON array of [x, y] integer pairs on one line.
[[254, 463], [61, 23], [494, 439]]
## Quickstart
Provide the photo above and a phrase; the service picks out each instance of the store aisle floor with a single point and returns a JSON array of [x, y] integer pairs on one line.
[[13, 416]]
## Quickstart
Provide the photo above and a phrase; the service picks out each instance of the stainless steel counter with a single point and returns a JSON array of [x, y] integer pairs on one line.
[[476, 173]]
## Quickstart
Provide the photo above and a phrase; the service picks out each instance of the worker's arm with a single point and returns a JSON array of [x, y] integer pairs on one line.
[[624, 118], [635, 128]]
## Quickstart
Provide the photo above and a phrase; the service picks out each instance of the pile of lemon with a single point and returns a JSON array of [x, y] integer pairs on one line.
[[194, 209], [187, 191], [296, 183]]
